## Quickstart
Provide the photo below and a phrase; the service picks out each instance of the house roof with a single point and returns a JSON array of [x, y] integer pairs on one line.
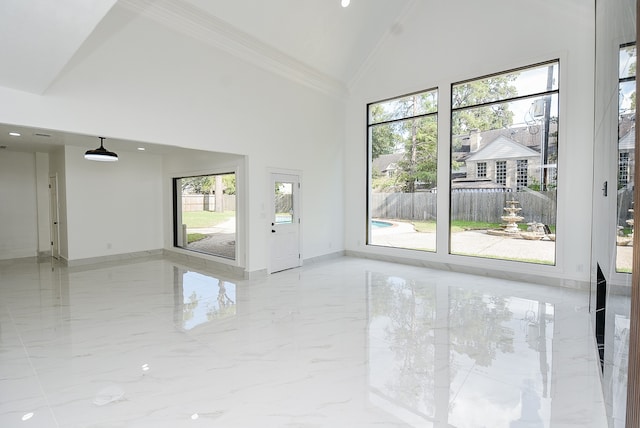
[[386, 162], [628, 141], [502, 148]]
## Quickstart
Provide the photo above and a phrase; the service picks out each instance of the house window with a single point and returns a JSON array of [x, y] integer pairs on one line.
[[403, 132], [626, 155], [205, 214], [501, 172], [623, 169], [481, 172], [496, 120], [522, 170]]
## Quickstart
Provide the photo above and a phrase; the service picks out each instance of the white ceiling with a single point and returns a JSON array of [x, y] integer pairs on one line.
[[313, 41], [47, 141], [320, 33], [38, 37]]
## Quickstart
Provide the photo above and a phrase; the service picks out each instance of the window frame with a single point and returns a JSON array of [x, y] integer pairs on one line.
[[522, 174], [481, 170], [177, 204], [501, 172], [498, 109], [369, 169]]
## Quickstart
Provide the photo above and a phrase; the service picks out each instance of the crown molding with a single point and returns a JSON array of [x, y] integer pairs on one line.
[[195, 22]]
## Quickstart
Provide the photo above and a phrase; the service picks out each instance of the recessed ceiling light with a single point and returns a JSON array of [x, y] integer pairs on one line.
[[142, 149], [345, 3], [14, 134]]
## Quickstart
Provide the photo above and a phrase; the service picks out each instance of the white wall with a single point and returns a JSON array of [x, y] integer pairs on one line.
[[18, 206], [441, 43], [113, 208], [141, 81]]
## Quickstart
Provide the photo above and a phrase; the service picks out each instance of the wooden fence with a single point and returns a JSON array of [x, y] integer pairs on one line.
[[467, 206], [625, 203], [207, 203]]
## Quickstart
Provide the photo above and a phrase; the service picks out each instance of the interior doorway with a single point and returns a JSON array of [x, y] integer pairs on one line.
[[53, 217]]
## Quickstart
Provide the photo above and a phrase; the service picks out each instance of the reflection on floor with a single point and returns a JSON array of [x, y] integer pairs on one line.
[[344, 343], [616, 358], [205, 298]]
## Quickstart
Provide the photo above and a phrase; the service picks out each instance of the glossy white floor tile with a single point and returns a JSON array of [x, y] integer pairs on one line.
[[345, 343]]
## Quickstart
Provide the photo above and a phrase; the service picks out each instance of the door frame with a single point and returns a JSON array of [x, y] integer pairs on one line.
[[271, 172], [54, 216]]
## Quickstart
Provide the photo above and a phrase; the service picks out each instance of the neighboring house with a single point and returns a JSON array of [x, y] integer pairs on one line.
[[505, 162], [626, 158], [509, 157], [387, 165]]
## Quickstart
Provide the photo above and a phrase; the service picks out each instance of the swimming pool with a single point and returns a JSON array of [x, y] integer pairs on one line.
[[376, 224]]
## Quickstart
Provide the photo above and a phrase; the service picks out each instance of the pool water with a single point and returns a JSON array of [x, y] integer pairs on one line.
[[376, 224]]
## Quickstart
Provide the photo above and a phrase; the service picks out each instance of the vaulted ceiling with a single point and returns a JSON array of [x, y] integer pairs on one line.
[[317, 37], [316, 42]]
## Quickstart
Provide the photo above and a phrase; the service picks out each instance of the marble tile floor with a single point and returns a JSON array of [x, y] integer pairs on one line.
[[342, 343]]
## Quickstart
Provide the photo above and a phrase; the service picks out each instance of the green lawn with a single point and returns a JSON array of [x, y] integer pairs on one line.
[[193, 237], [197, 219]]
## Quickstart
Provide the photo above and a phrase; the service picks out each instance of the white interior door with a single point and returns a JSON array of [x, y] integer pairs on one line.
[[285, 222], [53, 216]]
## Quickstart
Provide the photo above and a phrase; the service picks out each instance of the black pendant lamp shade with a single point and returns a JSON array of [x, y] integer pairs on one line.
[[101, 154]]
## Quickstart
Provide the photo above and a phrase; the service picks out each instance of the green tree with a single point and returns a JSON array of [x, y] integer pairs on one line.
[[200, 185], [383, 140], [419, 137], [229, 181], [419, 164], [492, 116]]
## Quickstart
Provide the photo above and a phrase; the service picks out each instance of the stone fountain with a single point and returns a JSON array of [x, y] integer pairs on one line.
[[512, 218], [622, 239]]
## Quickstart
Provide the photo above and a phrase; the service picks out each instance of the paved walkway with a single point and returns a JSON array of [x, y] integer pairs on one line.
[[220, 240], [478, 242]]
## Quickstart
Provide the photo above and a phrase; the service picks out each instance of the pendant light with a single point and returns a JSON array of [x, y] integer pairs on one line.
[[101, 154]]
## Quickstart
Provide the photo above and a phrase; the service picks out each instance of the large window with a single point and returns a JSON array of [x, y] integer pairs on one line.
[[402, 142], [522, 171], [508, 121], [205, 214], [481, 172], [626, 156], [501, 172], [623, 170]]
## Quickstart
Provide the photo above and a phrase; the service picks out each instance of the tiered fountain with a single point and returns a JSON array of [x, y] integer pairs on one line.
[[512, 218]]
